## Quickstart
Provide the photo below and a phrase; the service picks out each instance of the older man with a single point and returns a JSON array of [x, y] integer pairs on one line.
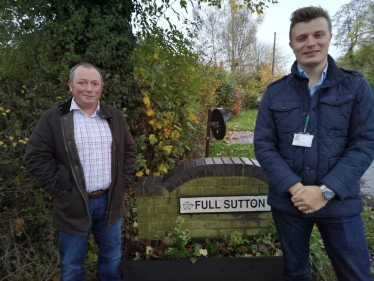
[[83, 155], [314, 138]]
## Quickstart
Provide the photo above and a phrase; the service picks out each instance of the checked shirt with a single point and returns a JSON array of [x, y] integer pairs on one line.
[[93, 139]]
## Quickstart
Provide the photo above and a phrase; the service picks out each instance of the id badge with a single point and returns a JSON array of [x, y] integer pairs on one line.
[[301, 139]]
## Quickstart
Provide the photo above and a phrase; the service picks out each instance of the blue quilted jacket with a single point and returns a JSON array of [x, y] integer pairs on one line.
[[341, 118]]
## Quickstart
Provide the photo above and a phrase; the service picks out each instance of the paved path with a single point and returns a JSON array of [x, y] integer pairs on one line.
[[240, 137], [367, 182]]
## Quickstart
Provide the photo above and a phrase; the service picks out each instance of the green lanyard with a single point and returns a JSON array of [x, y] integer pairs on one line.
[[306, 123]]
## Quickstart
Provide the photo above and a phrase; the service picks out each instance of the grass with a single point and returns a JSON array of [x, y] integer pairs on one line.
[[245, 121], [223, 149], [368, 219]]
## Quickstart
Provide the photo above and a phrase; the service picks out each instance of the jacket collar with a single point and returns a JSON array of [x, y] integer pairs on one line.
[[65, 109], [333, 76]]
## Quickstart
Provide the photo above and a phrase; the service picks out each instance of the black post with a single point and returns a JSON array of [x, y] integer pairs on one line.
[[208, 133]]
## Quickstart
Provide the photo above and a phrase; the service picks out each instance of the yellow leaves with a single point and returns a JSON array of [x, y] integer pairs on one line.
[[24, 87], [4, 114], [1, 108], [192, 117], [1, 143], [167, 149], [167, 133], [150, 112], [155, 55], [146, 101], [14, 144], [58, 97], [164, 170], [7, 111], [159, 125], [156, 174], [139, 174], [175, 134], [151, 122], [11, 138], [167, 123], [65, 27]]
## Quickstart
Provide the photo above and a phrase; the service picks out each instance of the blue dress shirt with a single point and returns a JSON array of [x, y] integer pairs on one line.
[[323, 76]]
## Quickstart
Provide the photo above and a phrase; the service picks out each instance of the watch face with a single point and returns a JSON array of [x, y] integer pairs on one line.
[[328, 194]]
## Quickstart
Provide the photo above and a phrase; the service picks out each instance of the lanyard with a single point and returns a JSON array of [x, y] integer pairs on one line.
[[306, 123]]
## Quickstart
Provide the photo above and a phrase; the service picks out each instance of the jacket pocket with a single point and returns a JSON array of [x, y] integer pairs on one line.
[[286, 116], [63, 177], [335, 111]]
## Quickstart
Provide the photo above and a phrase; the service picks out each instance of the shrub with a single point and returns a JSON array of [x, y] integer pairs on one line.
[[40, 41], [251, 99]]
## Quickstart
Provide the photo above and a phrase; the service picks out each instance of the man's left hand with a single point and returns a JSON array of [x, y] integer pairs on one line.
[[311, 200]]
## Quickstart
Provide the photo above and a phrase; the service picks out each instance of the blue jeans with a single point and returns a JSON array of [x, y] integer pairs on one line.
[[343, 237], [73, 247]]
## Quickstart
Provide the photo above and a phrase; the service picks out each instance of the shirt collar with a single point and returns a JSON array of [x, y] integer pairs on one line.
[[75, 106], [303, 73]]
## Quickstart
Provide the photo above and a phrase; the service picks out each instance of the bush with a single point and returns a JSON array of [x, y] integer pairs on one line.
[[251, 99], [40, 41], [176, 91]]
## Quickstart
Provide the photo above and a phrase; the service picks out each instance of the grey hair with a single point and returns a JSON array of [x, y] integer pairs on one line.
[[86, 65]]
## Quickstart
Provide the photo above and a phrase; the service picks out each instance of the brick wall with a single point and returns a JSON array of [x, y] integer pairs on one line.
[[157, 198]]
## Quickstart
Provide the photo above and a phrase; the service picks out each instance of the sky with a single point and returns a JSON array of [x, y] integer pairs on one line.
[[277, 19]]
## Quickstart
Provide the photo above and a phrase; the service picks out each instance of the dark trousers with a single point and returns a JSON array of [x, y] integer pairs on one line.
[[344, 240]]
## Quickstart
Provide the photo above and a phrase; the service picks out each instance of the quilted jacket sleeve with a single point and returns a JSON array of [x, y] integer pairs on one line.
[[280, 175], [40, 154], [359, 151]]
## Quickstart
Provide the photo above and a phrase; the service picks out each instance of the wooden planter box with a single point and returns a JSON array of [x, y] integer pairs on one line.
[[205, 269]]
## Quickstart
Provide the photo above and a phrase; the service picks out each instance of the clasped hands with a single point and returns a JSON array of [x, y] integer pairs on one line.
[[307, 198]]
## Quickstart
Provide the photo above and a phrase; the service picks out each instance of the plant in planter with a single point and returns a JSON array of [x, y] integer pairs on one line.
[[232, 258]]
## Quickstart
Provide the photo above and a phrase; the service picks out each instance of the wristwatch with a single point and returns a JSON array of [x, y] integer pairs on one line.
[[326, 192]]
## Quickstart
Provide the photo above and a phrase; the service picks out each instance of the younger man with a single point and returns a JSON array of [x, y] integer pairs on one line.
[[314, 138]]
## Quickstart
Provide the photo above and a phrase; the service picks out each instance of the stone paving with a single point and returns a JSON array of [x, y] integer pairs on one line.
[[367, 182], [240, 137]]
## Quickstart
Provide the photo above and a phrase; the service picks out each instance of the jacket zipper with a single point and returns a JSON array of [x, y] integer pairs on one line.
[[71, 167], [115, 173]]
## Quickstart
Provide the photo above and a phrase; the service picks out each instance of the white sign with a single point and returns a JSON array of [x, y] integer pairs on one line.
[[223, 204]]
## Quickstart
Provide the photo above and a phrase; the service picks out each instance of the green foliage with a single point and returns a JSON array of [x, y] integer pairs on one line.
[[245, 121], [39, 42], [212, 247], [179, 237], [223, 149], [318, 260], [176, 254], [251, 99], [176, 90], [226, 91], [196, 252], [235, 241]]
